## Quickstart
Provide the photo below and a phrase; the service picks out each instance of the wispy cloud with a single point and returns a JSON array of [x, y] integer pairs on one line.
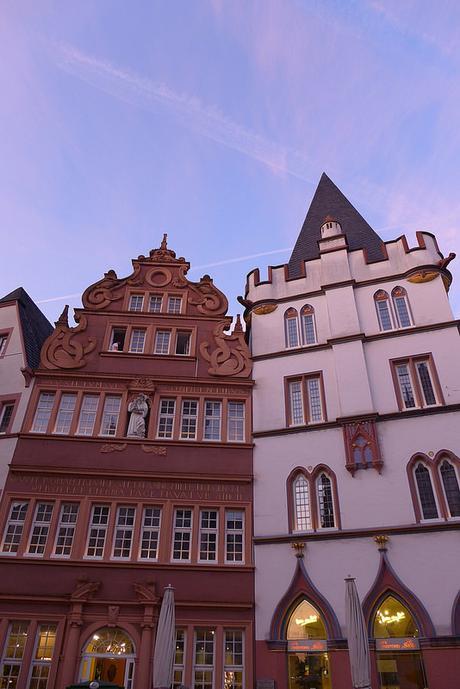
[[206, 120]]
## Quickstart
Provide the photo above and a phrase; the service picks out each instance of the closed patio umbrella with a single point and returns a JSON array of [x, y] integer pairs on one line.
[[163, 656], [358, 642]]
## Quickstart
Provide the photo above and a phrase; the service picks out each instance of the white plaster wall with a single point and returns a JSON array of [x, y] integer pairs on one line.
[[415, 559]]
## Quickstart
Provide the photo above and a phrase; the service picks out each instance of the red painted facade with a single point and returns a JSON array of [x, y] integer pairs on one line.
[[102, 510]]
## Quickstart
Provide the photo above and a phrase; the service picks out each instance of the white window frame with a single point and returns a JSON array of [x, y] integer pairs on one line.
[[101, 529], [167, 417], [398, 365], [303, 320], [233, 667], [43, 528], [121, 328], [386, 301], [236, 424], [150, 530], [3, 407], [212, 417], [155, 296], [45, 410], [42, 663], [68, 527], [159, 349], [13, 660], [106, 414], [133, 299], [188, 417], [299, 502], [174, 297], [140, 342], [125, 521], [90, 414], [416, 362], [235, 532], [199, 667], [287, 320], [65, 414], [17, 524], [180, 667], [182, 530], [319, 501], [208, 531], [404, 299]]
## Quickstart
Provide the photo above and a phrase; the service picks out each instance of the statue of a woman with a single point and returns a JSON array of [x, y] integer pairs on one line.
[[138, 409]]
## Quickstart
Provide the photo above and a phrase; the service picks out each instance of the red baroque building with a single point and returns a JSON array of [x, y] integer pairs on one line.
[[133, 471]]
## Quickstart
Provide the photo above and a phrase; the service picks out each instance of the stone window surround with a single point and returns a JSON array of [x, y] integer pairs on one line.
[[311, 477], [433, 465], [418, 395], [303, 377], [149, 341]]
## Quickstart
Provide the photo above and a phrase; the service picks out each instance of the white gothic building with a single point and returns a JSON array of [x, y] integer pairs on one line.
[[356, 457]]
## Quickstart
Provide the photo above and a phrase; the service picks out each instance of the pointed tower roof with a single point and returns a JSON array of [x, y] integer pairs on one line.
[[329, 201]]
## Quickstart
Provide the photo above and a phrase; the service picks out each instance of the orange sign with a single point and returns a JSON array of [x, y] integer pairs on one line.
[[397, 644], [307, 645]]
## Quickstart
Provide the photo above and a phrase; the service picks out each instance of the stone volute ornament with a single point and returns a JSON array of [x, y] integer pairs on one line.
[[138, 410], [64, 348], [230, 355]]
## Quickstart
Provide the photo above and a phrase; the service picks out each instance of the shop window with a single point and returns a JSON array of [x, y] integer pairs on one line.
[[236, 422], [449, 480], [110, 415], [136, 302], [66, 529], [65, 413], [150, 533], [307, 318], [43, 655], [155, 303], [382, 305], [124, 530], [427, 500], [6, 416], [305, 400], [182, 536], [97, 533], [43, 413], [183, 343], [14, 527], [88, 413], [13, 654], [179, 659], [234, 536], [40, 528], [399, 661], [233, 659], [203, 665], [166, 418], [117, 339], [109, 656], [208, 535], [212, 420], [401, 306], [291, 328], [308, 662]]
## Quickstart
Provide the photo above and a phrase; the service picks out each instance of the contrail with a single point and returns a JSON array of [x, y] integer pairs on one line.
[[206, 120]]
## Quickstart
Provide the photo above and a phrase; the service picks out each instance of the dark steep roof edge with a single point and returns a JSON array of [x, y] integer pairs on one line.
[[34, 324]]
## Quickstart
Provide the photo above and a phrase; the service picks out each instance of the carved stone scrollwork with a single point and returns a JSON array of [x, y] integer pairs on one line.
[[113, 447], [145, 592], [155, 450], [209, 300], [62, 350], [231, 355], [109, 289], [85, 589]]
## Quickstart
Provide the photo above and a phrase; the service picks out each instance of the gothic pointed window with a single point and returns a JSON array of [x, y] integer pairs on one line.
[[291, 328], [302, 504], [401, 306], [325, 500], [362, 451], [425, 491], [307, 319], [451, 489], [306, 622], [382, 305]]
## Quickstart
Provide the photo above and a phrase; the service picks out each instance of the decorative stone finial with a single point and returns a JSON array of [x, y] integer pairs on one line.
[[299, 548], [164, 242], [381, 541], [64, 317], [238, 328]]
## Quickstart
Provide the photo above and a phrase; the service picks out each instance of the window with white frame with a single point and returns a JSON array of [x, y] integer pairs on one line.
[[150, 533], [182, 535], [124, 528], [43, 655], [117, 339], [6, 414], [14, 527], [155, 303], [382, 305], [179, 659], [427, 500], [13, 654], [208, 535], [449, 479], [166, 418], [325, 500], [43, 413], [305, 400], [65, 412], [162, 339], [406, 386], [307, 318], [136, 302], [212, 420], [40, 528], [233, 659], [110, 415], [137, 340], [234, 536], [88, 413], [97, 533], [183, 343], [174, 305], [401, 306], [3, 341], [203, 666], [65, 533], [291, 328], [416, 383], [189, 418], [235, 422], [302, 504], [426, 384]]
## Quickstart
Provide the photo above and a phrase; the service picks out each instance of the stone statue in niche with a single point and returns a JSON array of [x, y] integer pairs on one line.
[[138, 410]]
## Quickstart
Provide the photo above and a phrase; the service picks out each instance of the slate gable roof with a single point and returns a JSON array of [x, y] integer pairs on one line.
[[329, 200], [35, 326]]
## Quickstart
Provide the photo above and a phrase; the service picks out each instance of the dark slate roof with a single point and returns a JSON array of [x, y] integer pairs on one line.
[[35, 326], [329, 200]]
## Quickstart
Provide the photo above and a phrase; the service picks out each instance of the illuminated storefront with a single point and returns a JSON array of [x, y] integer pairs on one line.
[[308, 663], [399, 660], [109, 656]]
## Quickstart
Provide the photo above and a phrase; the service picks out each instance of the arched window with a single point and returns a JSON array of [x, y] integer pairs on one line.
[[401, 307], [393, 620], [306, 623], [308, 662], [325, 499], [109, 655], [291, 328], [450, 484], [307, 319], [302, 504], [362, 451], [382, 305], [425, 491]]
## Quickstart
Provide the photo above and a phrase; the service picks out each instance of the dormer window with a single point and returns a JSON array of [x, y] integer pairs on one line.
[[330, 227], [117, 341], [136, 302], [174, 305]]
